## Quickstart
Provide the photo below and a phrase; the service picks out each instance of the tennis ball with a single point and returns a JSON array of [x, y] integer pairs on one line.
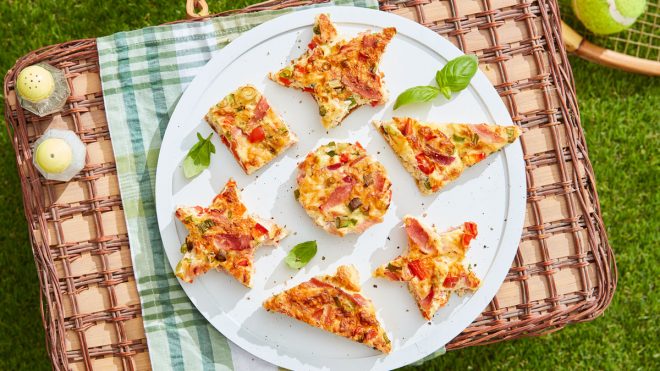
[[608, 16]]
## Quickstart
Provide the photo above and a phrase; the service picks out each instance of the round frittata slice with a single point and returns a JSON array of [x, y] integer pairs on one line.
[[343, 189]]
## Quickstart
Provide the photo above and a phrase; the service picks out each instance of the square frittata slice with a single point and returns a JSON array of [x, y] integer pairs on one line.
[[250, 128]]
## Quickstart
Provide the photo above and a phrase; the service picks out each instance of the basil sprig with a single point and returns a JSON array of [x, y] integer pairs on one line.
[[199, 156], [453, 77], [456, 74], [301, 254]]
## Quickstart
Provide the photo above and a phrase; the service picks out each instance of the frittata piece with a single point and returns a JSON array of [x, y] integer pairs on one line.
[[341, 75], [334, 304], [223, 236], [436, 154], [343, 189], [249, 127], [433, 266]]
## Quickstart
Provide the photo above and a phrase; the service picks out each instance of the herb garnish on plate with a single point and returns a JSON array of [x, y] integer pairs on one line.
[[453, 77]]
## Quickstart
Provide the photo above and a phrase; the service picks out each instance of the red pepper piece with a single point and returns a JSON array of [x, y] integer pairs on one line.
[[450, 281], [257, 135], [260, 229], [424, 164], [470, 232], [242, 263], [416, 269]]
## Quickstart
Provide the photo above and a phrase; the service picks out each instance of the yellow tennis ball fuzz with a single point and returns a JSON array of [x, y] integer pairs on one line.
[[608, 16], [53, 155], [35, 83]]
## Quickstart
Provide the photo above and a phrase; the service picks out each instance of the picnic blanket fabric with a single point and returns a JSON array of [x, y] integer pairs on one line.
[[143, 74]]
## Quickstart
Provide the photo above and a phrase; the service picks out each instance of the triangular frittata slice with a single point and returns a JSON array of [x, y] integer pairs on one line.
[[250, 128], [433, 266], [341, 75], [436, 154], [334, 304], [223, 236]]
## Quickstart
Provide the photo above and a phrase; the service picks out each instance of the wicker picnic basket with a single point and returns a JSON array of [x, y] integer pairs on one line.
[[564, 270]]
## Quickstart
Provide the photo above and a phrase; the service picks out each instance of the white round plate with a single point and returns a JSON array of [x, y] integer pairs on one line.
[[492, 194]]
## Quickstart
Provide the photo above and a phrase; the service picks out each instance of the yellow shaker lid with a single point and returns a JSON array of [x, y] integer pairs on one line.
[[35, 83], [53, 155]]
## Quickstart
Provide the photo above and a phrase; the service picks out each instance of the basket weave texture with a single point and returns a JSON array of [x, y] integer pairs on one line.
[[563, 272]]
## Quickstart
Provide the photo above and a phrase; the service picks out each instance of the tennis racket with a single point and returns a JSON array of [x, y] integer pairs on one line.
[[636, 49]]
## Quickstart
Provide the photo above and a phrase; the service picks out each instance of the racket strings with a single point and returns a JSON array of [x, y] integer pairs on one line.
[[642, 40]]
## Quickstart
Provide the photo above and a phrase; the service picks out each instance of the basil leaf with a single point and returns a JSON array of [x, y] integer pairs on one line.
[[191, 168], [301, 254], [416, 94], [198, 157], [446, 91], [456, 74]]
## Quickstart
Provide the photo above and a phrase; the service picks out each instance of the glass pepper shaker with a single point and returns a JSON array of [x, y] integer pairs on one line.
[[59, 154], [42, 89]]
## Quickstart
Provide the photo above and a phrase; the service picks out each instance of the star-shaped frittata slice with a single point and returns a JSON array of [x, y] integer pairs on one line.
[[223, 236], [341, 75], [433, 266]]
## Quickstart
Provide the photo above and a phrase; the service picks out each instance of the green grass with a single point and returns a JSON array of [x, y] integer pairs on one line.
[[621, 117]]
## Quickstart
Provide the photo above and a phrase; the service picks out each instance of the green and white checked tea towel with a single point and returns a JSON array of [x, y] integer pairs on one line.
[[143, 74]]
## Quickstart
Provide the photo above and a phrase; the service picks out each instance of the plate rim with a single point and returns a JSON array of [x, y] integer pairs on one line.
[[484, 90]]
